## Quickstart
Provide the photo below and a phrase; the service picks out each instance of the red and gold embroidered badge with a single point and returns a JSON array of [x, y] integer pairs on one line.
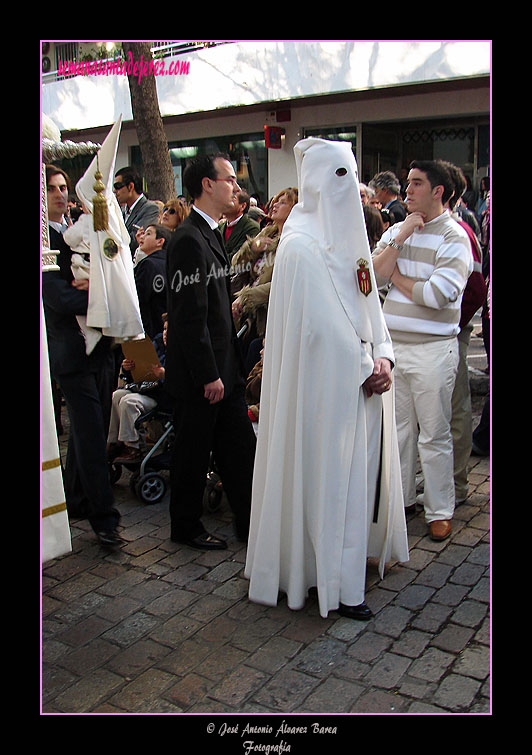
[[364, 278]]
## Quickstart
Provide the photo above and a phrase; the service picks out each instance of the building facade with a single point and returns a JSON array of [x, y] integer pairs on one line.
[[393, 100]]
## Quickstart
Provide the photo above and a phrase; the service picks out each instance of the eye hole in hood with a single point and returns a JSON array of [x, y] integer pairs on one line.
[[341, 171]]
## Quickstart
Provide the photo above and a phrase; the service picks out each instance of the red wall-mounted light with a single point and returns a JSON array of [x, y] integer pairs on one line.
[[272, 136]]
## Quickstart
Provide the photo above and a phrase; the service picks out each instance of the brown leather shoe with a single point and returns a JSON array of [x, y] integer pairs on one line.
[[440, 529], [129, 456]]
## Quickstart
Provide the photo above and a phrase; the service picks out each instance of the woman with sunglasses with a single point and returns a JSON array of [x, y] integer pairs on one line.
[[173, 213]]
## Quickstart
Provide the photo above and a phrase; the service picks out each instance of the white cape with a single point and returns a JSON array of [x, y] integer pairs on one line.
[[317, 457], [77, 236], [312, 457]]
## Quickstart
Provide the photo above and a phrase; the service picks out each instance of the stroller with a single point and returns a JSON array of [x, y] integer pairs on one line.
[[146, 481]]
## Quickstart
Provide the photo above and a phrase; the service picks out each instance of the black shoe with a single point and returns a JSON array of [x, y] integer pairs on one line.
[[203, 542], [360, 612], [110, 539], [478, 451]]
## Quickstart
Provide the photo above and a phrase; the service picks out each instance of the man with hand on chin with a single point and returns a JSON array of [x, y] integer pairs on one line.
[[204, 368], [427, 259]]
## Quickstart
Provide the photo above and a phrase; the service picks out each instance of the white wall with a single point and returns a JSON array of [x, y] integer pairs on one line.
[[249, 72], [281, 164]]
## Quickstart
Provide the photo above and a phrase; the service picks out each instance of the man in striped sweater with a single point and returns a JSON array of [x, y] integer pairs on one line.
[[427, 259]]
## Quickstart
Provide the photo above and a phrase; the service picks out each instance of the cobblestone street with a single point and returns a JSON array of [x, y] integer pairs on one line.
[[160, 628], [254, 238]]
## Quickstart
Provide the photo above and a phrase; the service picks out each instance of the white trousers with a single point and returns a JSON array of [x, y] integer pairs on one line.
[[126, 409], [424, 379]]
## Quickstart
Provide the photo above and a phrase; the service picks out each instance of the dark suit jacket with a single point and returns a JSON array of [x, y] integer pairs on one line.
[[62, 302], [150, 280], [244, 228], [202, 345], [144, 213], [398, 209]]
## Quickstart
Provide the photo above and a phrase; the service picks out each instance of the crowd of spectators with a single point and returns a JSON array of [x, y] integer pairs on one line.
[[433, 201]]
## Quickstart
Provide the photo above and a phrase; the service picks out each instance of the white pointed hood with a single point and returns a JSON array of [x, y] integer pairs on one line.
[[104, 161], [330, 211], [113, 301]]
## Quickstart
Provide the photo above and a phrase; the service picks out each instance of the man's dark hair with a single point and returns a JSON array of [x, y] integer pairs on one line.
[[437, 174], [197, 169], [130, 175], [161, 232], [242, 197], [53, 170], [459, 181]]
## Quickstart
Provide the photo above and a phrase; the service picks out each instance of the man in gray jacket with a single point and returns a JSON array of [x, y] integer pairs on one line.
[[139, 212]]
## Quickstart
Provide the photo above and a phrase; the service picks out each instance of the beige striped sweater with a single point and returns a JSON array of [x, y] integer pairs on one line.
[[438, 257]]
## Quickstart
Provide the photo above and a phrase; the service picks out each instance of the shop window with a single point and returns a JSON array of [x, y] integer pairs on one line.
[[340, 134], [247, 153]]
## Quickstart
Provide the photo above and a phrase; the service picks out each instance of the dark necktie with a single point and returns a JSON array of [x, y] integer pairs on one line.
[[220, 240]]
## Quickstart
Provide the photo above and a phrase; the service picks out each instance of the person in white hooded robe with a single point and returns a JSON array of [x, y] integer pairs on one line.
[[324, 496]]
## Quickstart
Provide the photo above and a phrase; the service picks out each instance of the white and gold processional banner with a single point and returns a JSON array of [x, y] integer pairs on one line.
[[55, 527]]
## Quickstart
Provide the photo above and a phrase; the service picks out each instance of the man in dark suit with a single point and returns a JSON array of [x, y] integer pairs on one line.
[[86, 382], [237, 226], [139, 212], [204, 369]]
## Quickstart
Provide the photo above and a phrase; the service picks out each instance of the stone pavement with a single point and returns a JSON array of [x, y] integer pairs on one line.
[[160, 628]]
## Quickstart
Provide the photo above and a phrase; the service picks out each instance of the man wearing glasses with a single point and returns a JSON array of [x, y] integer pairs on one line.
[[204, 368], [138, 211]]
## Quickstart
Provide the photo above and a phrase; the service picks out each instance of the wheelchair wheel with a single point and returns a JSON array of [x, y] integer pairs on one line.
[[150, 488], [213, 497]]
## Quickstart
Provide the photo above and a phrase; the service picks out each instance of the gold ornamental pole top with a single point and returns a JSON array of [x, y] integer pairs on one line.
[[99, 202], [48, 260]]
